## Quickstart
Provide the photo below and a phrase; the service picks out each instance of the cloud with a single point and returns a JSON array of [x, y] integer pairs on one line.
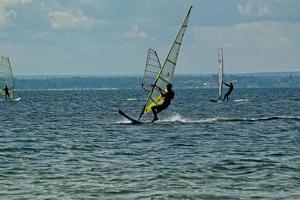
[[254, 8], [256, 46], [71, 19], [257, 34], [87, 1], [6, 11], [135, 32]]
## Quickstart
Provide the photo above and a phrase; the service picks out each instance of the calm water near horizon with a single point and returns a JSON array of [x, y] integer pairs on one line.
[[75, 145]]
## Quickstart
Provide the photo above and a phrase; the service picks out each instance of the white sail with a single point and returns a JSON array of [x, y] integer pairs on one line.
[[221, 72], [165, 74], [152, 68]]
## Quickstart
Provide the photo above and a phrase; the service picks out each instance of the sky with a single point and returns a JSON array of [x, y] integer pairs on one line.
[[112, 37]]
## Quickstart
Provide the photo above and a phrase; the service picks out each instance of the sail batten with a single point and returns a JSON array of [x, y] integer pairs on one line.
[[165, 74]]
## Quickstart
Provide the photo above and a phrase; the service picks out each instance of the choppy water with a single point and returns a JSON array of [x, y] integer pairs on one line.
[[74, 145]]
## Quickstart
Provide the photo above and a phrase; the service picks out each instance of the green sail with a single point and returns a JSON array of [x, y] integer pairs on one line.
[[6, 76]]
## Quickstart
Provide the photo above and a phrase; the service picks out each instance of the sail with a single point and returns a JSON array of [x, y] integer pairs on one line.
[[164, 74], [6, 76], [152, 68], [221, 72]]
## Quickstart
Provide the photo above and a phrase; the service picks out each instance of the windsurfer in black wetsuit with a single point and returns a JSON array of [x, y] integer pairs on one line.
[[6, 91], [167, 97], [229, 91]]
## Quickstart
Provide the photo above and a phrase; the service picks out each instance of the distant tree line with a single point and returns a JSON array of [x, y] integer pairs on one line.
[[267, 80]]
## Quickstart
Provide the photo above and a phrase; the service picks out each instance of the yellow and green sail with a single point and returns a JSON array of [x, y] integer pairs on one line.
[[161, 76], [6, 76]]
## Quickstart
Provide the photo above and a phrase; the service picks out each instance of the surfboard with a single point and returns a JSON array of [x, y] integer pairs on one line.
[[17, 99], [216, 101], [133, 121]]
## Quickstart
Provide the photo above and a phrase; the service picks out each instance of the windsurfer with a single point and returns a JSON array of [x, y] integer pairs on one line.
[[6, 90], [229, 91], [167, 98]]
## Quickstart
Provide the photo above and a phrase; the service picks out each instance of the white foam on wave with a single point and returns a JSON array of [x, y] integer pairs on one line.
[[131, 99], [209, 120], [124, 121], [241, 100], [176, 118], [179, 118]]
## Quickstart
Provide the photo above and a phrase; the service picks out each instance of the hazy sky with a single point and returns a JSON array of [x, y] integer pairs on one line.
[[111, 37]]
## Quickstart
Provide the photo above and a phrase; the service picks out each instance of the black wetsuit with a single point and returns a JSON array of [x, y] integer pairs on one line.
[[6, 90], [229, 91], [167, 97]]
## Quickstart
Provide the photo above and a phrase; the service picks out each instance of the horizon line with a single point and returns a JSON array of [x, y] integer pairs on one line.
[[139, 75]]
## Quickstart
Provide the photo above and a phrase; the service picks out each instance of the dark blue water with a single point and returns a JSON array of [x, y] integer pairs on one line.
[[75, 145]]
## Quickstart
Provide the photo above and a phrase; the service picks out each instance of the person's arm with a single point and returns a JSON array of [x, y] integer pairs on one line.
[[227, 84], [161, 90]]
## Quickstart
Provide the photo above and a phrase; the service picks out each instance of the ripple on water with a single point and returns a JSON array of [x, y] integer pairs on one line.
[[74, 145]]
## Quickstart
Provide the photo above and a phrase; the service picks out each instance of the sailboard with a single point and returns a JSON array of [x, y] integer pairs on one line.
[[133, 121], [159, 76], [220, 76], [6, 78]]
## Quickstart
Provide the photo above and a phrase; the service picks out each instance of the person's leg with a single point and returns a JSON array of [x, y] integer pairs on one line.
[[154, 111], [228, 95], [225, 97], [157, 109]]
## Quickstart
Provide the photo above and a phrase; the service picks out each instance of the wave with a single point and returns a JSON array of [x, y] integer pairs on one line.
[[284, 117], [177, 118], [124, 121], [241, 100], [131, 99]]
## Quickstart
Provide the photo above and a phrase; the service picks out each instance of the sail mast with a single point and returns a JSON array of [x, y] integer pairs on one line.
[[221, 72], [176, 44]]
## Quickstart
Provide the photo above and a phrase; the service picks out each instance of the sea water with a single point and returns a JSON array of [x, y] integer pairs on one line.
[[75, 145]]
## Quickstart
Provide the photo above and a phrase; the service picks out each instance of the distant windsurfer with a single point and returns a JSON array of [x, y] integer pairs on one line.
[[6, 91], [167, 98], [229, 91]]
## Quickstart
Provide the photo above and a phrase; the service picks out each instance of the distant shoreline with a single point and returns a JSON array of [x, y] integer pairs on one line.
[[287, 73], [251, 80]]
